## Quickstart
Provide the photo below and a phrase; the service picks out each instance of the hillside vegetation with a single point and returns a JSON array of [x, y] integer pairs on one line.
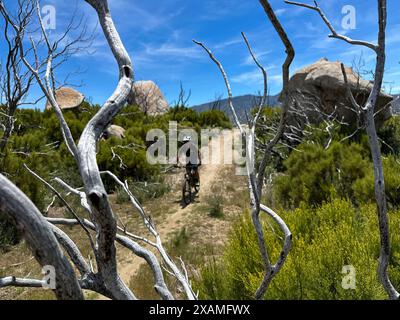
[[330, 211], [326, 196], [37, 142]]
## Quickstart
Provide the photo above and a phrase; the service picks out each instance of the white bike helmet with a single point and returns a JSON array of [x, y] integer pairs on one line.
[[187, 138]]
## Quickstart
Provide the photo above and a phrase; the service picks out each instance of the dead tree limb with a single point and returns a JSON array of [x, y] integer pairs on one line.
[[334, 34], [138, 250], [16, 80], [256, 177], [21, 282], [158, 244], [40, 237]]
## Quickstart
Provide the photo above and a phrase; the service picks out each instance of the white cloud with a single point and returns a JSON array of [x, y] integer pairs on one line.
[[255, 77], [174, 51], [249, 77], [366, 56], [393, 38], [396, 90], [248, 61], [228, 43], [280, 12]]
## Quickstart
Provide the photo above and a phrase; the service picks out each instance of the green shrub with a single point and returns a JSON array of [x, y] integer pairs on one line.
[[364, 188], [180, 240], [150, 190], [190, 118], [313, 175], [9, 234], [213, 281], [325, 239], [122, 196], [215, 205], [215, 118], [389, 133]]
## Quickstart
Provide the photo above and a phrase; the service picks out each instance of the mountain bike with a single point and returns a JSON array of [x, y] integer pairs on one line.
[[191, 185]]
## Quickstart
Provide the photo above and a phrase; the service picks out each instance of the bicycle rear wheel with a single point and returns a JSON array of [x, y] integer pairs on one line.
[[197, 186], [186, 192]]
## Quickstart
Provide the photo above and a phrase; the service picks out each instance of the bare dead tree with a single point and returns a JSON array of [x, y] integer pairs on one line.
[[255, 175], [368, 113], [16, 79], [94, 199], [216, 105], [183, 97]]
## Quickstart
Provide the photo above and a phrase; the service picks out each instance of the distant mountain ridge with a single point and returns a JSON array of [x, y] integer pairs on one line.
[[247, 102], [242, 105]]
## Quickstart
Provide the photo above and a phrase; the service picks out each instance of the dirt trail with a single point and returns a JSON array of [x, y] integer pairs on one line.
[[178, 216], [129, 265]]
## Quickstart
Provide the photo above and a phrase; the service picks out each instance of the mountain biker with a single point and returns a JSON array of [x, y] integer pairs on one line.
[[193, 158]]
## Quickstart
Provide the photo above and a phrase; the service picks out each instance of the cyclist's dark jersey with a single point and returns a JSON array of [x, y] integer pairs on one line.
[[193, 160]]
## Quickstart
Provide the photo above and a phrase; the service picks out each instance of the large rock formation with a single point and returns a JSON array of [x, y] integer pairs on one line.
[[396, 104], [67, 98], [148, 97], [322, 85], [114, 131]]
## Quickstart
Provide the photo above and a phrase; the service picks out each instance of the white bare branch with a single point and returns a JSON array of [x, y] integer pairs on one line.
[[138, 250], [158, 244], [256, 178], [334, 34], [227, 84], [21, 282], [40, 237]]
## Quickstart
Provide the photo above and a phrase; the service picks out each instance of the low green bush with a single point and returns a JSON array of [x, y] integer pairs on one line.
[[155, 188], [216, 205], [214, 118], [313, 175], [389, 134], [325, 239], [9, 235], [364, 189]]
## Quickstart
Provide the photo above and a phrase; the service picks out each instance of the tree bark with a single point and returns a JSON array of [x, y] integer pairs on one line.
[[39, 235], [102, 214], [7, 132]]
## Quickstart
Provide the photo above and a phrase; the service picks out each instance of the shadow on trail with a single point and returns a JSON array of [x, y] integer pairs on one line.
[[193, 199]]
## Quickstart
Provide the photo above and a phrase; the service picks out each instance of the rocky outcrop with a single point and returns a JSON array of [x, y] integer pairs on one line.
[[321, 87], [67, 98], [114, 131], [396, 105], [148, 97]]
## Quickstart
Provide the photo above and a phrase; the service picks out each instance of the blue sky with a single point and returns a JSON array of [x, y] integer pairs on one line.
[[158, 36]]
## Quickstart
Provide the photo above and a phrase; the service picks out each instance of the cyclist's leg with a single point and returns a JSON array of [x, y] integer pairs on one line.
[[197, 175]]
